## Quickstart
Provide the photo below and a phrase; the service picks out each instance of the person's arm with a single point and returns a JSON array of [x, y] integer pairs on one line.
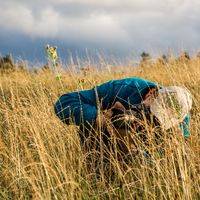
[[71, 108]]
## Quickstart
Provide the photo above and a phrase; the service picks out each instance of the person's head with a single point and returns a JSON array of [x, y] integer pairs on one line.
[[165, 107], [169, 105]]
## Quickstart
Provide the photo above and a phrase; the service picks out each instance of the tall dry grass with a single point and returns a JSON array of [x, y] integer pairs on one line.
[[41, 158]]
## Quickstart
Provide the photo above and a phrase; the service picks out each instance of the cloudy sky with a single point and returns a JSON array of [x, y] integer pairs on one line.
[[121, 27]]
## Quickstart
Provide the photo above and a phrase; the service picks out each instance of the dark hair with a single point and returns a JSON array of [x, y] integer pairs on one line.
[[136, 119], [138, 113]]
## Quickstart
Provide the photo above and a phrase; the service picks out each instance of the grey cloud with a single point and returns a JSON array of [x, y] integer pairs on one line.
[[116, 24]]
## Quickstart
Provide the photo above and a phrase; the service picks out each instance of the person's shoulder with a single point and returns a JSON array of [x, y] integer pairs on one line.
[[127, 80], [134, 82], [140, 82]]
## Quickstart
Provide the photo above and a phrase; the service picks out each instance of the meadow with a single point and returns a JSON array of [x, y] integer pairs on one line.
[[41, 158]]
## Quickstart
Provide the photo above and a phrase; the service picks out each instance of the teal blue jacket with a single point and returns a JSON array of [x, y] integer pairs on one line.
[[82, 106]]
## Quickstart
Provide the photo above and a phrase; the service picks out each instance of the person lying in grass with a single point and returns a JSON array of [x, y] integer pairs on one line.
[[143, 100]]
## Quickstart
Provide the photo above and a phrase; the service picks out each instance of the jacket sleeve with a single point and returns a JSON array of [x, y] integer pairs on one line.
[[71, 108], [185, 126]]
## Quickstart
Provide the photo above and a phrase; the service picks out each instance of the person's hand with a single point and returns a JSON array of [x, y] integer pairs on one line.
[[104, 117], [149, 97], [118, 105]]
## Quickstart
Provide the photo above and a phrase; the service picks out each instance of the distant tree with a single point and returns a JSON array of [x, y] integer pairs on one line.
[[145, 59], [6, 63], [46, 67], [184, 56], [6, 59], [145, 56], [163, 59]]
